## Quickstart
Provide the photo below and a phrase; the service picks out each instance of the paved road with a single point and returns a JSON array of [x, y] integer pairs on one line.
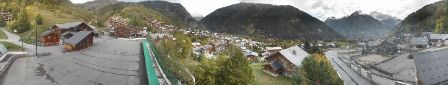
[[349, 76], [13, 38], [29, 48]]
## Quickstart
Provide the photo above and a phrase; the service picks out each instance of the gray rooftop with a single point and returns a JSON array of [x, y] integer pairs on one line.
[[375, 42], [46, 33], [432, 66], [438, 36], [294, 54], [419, 41], [68, 25], [77, 37]]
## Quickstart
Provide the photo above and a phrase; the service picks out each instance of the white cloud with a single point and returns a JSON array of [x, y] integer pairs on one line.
[[204, 7]]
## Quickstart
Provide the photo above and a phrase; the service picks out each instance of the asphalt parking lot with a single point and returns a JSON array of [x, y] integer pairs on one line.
[[108, 62]]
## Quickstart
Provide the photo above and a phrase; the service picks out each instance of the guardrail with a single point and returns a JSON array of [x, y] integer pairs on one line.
[[150, 72], [162, 63]]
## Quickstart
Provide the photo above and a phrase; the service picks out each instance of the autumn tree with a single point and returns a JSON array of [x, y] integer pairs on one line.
[[317, 70], [440, 25], [23, 23], [235, 70], [205, 73]]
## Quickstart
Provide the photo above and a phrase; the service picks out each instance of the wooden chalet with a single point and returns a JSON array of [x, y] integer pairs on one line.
[[53, 35], [49, 38], [72, 27], [74, 41], [285, 61]]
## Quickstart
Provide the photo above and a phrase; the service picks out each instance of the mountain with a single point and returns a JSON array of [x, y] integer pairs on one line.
[[386, 19], [172, 13], [97, 4], [264, 20], [424, 19], [360, 26], [175, 11]]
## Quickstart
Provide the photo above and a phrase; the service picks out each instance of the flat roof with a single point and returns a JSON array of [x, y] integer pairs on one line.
[[432, 66]]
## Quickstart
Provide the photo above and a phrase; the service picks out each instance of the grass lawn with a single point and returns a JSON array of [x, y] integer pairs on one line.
[[3, 35], [262, 78], [11, 46]]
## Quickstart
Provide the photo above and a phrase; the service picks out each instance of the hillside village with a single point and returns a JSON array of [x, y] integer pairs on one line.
[[143, 43]]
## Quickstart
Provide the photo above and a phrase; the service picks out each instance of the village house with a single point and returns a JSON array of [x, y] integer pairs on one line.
[[130, 31], [432, 66], [372, 46], [419, 42], [268, 51], [49, 38], [285, 61], [250, 55], [438, 40], [53, 36], [72, 27], [75, 41], [387, 47]]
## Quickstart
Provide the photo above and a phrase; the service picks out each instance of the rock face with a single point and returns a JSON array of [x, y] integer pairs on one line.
[[283, 22], [424, 19], [175, 11], [359, 26]]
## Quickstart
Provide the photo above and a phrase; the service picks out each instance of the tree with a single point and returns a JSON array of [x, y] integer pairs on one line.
[[439, 25], [316, 69], [39, 19], [205, 73], [23, 23], [236, 69]]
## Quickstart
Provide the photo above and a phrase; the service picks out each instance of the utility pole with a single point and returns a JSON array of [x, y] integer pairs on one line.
[[36, 40]]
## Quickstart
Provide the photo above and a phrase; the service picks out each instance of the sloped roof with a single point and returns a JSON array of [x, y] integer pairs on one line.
[[69, 25], [375, 43], [77, 37], [419, 41], [294, 54], [46, 33], [274, 48], [438, 36], [431, 66]]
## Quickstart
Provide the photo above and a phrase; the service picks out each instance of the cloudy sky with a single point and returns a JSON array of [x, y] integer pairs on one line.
[[321, 9]]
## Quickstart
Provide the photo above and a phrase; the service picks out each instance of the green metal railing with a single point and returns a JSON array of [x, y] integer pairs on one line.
[[162, 62], [150, 72]]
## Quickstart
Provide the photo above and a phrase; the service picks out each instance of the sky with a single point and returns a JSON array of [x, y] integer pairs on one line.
[[321, 9]]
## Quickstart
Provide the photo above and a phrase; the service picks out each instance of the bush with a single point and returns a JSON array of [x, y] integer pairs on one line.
[[22, 24]]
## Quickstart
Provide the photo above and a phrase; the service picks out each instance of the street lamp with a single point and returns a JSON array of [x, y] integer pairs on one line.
[[15, 31]]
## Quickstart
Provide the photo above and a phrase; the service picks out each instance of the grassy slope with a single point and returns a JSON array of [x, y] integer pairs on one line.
[[3, 35], [63, 14], [10, 46]]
